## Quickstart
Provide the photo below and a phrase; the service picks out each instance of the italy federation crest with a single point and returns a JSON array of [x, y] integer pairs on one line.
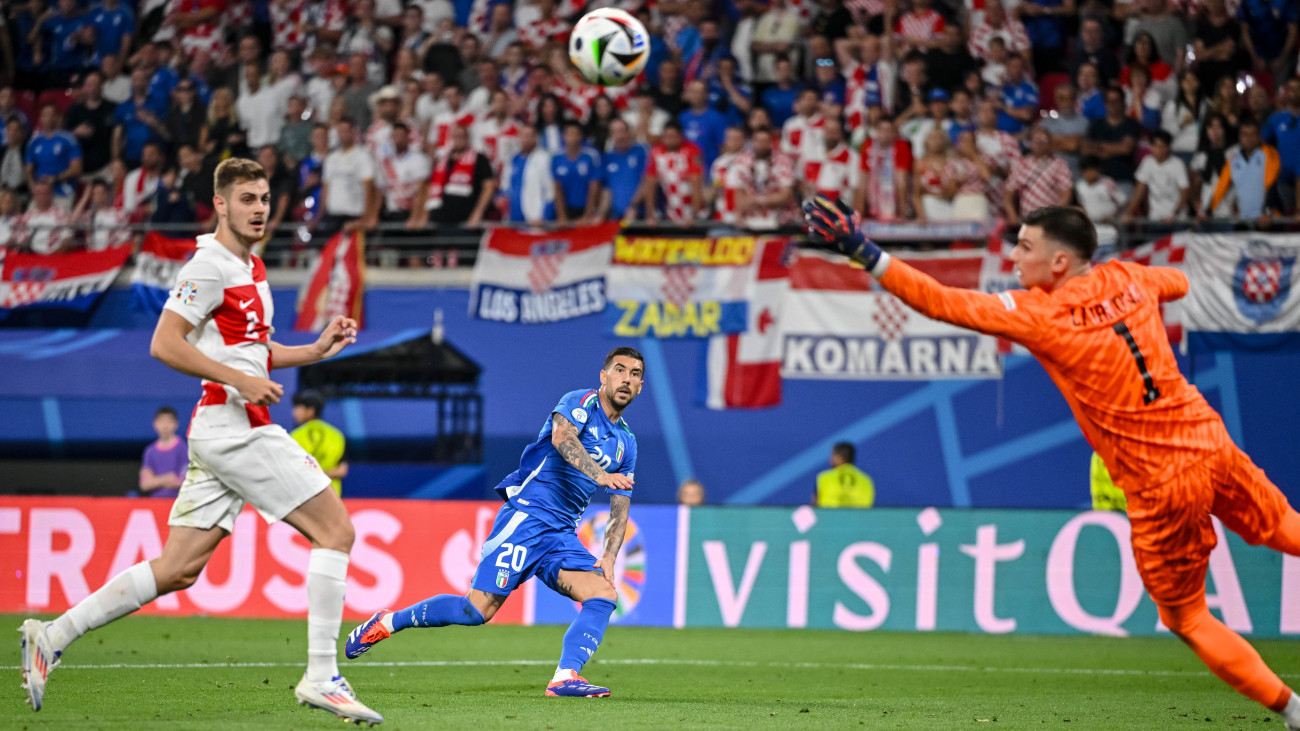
[[503, 578], [1261, 282]]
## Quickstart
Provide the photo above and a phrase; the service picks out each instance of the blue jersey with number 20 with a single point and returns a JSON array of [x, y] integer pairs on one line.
[[546, 486]]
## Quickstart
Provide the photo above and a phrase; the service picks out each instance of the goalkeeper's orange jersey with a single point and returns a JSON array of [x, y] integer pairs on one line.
[[1101, 339]]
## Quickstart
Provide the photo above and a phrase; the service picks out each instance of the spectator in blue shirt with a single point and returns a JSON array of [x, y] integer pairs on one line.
[[1044, 22], [1269, 33], [624, 167], [703, 126], [136, 121], [529, 187], [114, 25], [163, 77], [53, 156], [67, 43], [658, 46], [729, 94], [577, 174], [828, 82], [1019, 98], [1282, 131], [779, 98]]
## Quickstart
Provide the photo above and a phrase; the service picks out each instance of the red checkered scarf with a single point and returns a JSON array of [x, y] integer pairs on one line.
[[460, 176]]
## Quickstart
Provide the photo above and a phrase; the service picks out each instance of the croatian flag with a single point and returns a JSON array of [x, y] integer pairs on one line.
[[336, 285], [72, 281], [744, 371], [533, 278], [156, 265]]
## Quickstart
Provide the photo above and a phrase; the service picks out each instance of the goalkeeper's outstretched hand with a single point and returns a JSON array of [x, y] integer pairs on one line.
[[835, 224]]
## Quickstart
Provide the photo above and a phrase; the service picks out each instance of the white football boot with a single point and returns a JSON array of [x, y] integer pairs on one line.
[[335, 696], [39, 659]]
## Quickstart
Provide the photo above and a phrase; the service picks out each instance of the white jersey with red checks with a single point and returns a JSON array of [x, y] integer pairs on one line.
[[379, 136], [286, 19], [400, 176], [206, 37], [764, 176], [46, 230], [863, 9], [1041, 181], [229, 304], [496, 138], [802, 135], [577, 96], [441, 124], [1002, 151], [239, 14], [330, 15], [927, 25], [833, 174], [885, 172], [674, 170], [1012, 33], [540, 32], [725, 180]]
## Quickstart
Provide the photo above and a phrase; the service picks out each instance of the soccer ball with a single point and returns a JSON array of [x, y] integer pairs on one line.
[[609, 47]]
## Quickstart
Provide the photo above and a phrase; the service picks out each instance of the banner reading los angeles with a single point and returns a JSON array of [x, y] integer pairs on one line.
[[539, 277], [680, 287], [72, 281]]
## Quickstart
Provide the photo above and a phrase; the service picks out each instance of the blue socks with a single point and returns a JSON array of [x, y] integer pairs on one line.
[[585, 634], [438, 611]]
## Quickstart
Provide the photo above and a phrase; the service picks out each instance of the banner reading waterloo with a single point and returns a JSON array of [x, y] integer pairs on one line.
[[671, 287]]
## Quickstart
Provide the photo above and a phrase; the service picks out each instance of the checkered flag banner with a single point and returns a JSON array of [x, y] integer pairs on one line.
[[536, 277], [1242, 290]]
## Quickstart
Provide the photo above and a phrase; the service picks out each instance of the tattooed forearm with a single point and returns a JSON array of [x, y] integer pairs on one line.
[[617, 525], [565, 439]]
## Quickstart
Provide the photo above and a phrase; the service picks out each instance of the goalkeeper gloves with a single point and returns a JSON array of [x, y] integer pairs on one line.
[[834, 223]]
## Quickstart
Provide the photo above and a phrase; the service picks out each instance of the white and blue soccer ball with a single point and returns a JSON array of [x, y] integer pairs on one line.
[[609, 47]]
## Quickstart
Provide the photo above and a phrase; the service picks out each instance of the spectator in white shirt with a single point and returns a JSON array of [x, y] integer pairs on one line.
[[117, 85], [141, 184], [775, 34], [1097, 194], [403, 175], [261, 110], [107, 223], [1161, 181], [347, 185], [45, 224]]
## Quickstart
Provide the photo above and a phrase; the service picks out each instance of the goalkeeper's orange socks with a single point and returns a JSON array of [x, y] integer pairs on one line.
[[1231, 657]]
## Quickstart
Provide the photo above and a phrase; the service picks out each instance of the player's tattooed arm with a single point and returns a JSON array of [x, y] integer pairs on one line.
[[617, 523], [565, 438]]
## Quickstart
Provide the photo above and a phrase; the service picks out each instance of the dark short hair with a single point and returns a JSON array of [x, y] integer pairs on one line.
[[1244, 123], [1090, 162], [1161, 135], [572, 123], [166, 411], [674, 125], [311, 399], [845, 451], [401, 125], [1067, 226], [626, 351]]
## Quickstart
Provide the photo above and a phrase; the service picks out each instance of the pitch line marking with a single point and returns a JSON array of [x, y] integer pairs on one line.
[[657, 661]]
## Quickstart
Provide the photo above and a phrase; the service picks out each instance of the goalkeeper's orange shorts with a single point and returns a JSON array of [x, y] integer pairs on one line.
[[1172, 532]]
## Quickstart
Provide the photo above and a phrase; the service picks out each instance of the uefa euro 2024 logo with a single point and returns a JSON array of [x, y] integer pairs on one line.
[[1261, 281]]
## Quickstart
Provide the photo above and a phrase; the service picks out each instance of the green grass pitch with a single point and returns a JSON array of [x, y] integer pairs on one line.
[[171, 673]]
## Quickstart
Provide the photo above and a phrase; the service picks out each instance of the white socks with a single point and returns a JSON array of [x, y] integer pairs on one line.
[[327, 572], [563, 674], [387, 621], [1291, 714], [123, 594]]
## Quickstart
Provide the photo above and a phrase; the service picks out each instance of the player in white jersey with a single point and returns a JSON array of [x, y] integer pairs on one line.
[[217, 325]]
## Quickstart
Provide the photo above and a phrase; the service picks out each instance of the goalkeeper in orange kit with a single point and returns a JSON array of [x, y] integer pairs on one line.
[[1097, 332]]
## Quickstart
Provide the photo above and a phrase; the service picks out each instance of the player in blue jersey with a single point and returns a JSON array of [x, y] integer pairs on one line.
[[584, 445]]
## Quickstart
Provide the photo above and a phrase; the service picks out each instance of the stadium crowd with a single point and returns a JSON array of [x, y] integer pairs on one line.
[[444, 113]]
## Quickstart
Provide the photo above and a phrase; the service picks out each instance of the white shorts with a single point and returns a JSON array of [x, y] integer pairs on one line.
[[265, 468]]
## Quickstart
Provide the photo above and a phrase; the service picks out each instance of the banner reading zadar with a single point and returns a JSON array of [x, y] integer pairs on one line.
[[538, 277], [680, 287]]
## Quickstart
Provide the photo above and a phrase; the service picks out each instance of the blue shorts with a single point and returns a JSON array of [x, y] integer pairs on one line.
[[520, 547]]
